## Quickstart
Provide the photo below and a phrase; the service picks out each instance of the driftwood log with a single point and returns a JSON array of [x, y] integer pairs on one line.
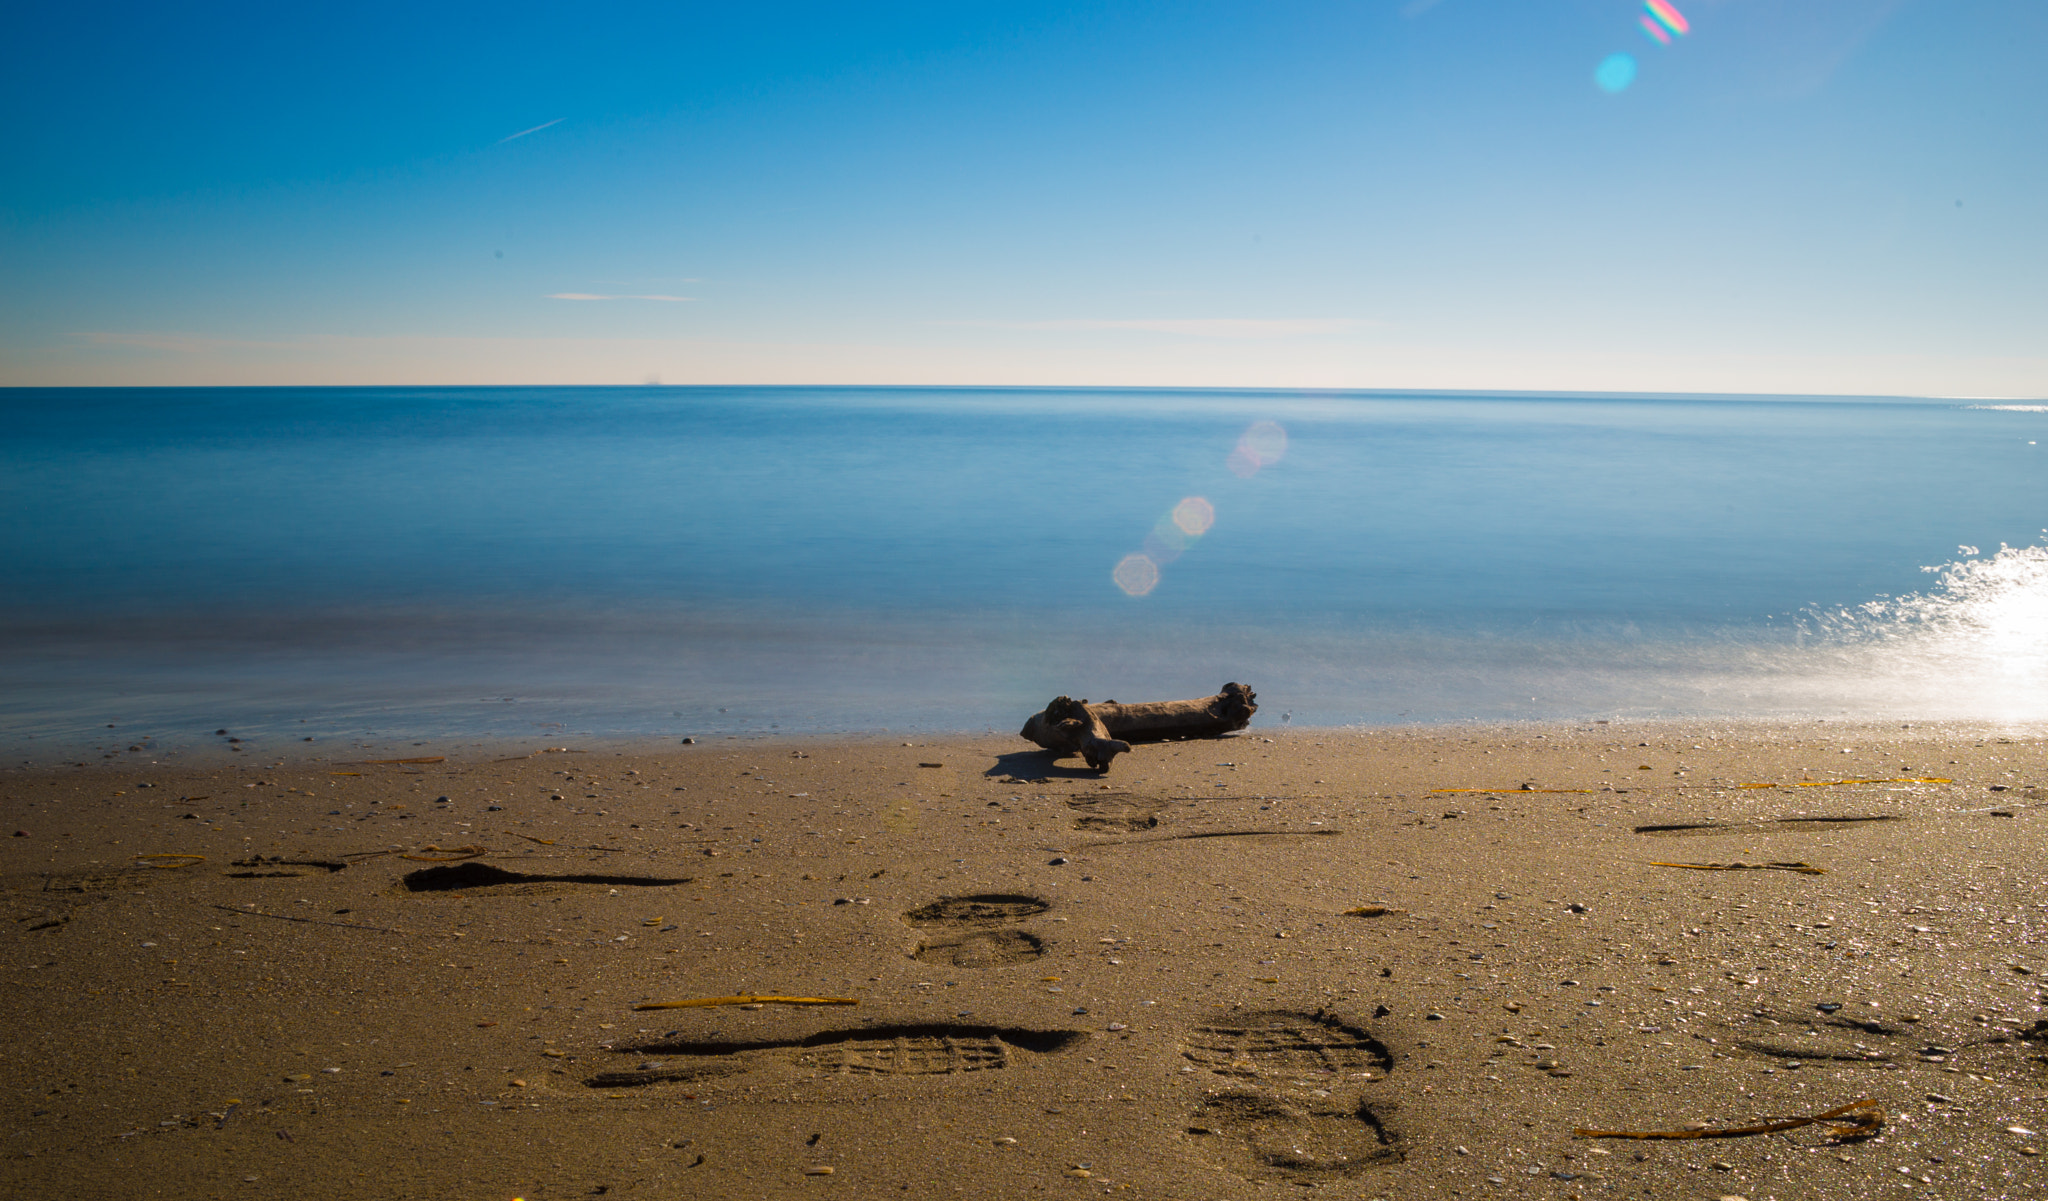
[[1099, 733]]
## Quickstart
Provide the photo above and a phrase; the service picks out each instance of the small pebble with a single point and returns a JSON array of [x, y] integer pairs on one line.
[[1059, 862], [819, 1170], [1006, 1142]]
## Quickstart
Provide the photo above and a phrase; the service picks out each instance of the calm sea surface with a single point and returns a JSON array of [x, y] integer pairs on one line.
[[522, 562]]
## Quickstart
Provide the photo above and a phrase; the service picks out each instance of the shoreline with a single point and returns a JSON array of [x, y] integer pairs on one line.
[[200, 752], [1278, 958]]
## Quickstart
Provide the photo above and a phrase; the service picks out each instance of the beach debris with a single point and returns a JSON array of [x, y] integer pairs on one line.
[[1738, 866], [1886, 780], [1375, 911], [433, 854], [1858, 1119], [1516, 790], [168, 860], [1099, 733], [1200, 834], [702, 1002], [414, 759], [310, 921]]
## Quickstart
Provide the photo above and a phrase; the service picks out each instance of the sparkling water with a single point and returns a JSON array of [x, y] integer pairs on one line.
[[638, 562]]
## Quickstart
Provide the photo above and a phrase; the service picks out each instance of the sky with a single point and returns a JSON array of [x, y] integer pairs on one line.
[[1792, 196]]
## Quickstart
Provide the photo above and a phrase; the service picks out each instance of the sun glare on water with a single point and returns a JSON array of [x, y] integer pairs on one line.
[[1973, 646]]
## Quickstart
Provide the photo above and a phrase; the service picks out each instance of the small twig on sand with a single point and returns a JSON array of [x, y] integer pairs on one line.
[[1805, 869], [1857, 1119], [311, 921], [448, 854], [1125, 842], [699, 1002]]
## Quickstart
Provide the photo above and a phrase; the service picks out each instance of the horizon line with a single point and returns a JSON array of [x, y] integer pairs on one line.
[[1291, 390]]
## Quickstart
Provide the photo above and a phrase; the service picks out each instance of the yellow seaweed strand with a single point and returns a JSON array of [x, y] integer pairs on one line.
[[700, 1002], [158, 860], [1858, 1119], [1516, 788], [1888, 780]]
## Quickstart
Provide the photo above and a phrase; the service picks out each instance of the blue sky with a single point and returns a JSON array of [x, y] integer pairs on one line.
[[1822, 196]]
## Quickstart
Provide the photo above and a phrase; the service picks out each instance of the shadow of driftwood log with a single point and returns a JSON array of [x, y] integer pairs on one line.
[[1037, 767], [482, 875]]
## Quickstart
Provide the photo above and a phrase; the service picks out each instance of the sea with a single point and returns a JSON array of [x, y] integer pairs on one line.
[[647, 564]]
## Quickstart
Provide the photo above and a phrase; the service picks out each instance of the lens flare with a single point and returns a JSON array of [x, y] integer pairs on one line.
[[1261, 445], [1615, 72], [1166, 542], [1194, 516], [1137, 575], [1657, 32], [1664, 16]]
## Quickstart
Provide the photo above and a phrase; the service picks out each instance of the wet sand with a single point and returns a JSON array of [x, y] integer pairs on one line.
[[1145, 984]]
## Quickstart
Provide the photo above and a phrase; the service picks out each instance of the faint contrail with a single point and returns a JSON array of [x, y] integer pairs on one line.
[[536, 129]]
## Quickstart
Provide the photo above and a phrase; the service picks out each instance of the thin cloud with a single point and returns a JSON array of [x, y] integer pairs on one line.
[[1199, 327], [536, 129], [606, 296]]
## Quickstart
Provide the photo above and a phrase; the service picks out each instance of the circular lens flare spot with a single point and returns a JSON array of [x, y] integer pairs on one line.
[[1615, 72], [1136, 575], [1261, 445], [1194, 516], [1165, 543]]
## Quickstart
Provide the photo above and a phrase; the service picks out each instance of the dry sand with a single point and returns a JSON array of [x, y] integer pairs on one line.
[[1158, 993]]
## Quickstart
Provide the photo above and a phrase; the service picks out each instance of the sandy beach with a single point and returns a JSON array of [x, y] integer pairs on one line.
[[1402, 963]]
